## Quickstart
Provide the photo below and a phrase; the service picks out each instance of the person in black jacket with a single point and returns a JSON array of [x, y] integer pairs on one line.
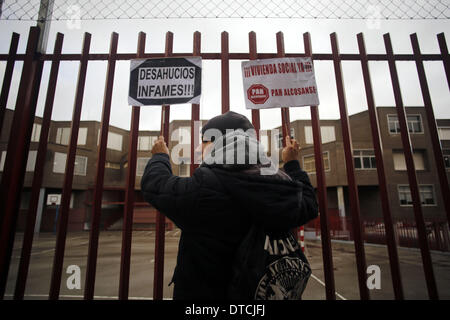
[[216, 207]]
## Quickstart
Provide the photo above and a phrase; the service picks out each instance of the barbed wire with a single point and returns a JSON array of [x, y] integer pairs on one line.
[[154, 9]]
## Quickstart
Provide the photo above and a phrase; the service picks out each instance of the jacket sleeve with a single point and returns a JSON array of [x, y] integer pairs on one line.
[[309, 201], [173, 196]]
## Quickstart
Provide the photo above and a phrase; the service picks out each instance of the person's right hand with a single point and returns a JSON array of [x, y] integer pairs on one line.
[[291, 151], [160, 146]]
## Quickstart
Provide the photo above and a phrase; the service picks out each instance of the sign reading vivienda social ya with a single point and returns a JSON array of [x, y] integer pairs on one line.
[[165, 81], [280, 82]]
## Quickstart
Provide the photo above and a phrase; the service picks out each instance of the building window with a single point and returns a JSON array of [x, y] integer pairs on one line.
[[426, 193], [36, 132], [114, 140], [364, 159], [82, 136], [31, 161], [63, 136], [59, 164], [446, 153], [414, 123], [444, 133], [327, 133], [141, 163], [400, 162], [145, 143], [309, 163], [80, 165]]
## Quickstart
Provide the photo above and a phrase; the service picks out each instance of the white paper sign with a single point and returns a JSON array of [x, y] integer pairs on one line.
[[165, 81], [280, 82]]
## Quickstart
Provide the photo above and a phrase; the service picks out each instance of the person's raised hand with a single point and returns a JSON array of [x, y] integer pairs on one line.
[[291, 151], [160, 146]]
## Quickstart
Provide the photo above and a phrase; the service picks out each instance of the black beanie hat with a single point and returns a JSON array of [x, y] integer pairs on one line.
[[229, 120]]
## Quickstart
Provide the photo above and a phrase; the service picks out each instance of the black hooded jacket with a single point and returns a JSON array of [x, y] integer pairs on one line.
[[215, 209]]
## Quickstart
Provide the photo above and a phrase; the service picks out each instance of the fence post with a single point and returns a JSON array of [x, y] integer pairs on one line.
[[38, 173], [412, 178], [225, 74], [12, 56], [444, 56], [446, 236], [322, 192], [160, 218], [391, 238], [349, 162], [91, 266], [17, 152], [68, 175], [129, 193], [434, 135], [285, 118], [396, 232], [253, 56], [195, 110]]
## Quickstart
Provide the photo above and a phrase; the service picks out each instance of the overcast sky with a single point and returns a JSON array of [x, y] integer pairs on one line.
[[238, 29]]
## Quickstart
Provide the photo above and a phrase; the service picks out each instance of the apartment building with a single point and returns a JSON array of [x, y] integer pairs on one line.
[[334, 161], [365, 163]]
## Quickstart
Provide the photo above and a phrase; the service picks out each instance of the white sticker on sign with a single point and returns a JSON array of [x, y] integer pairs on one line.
[[280, 82]]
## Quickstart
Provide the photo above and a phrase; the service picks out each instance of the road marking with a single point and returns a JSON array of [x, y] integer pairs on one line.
[[322, 283], [82, 297]]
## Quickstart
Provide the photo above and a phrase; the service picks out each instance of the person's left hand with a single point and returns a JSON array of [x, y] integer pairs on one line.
[[160, 146], [291, 151]]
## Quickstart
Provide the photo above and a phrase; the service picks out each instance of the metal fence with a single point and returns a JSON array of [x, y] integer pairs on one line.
[[374, 230], [313, 9], [21, 130]]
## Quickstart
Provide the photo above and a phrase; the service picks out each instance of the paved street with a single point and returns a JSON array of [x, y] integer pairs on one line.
[[142, 266]]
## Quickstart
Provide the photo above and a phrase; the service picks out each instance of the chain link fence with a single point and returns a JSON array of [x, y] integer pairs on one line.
[[160, 9]]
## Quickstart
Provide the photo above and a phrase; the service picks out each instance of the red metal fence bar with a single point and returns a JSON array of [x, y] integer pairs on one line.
[[38, 172], [253, 52], [17, 153], [285, 118], [7, 77], [195, 108], [434, 135], [100, 174], [160, 218], [285, 123], [382, 182], [68, 176], [129, 193], [225, 74], [358, 233], [407, 149], [444, 56], [322, 192]]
